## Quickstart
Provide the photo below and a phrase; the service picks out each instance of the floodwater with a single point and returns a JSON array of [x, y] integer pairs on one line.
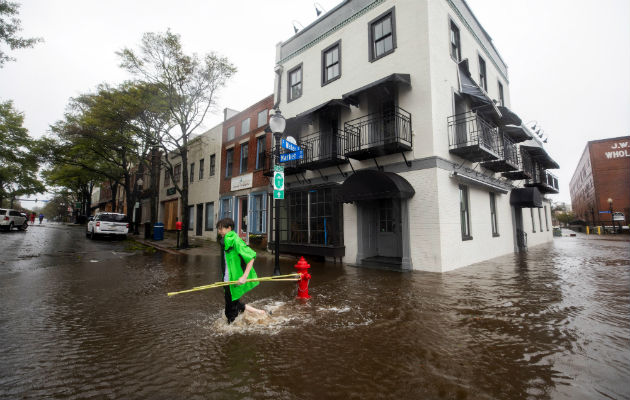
[[83, 319]]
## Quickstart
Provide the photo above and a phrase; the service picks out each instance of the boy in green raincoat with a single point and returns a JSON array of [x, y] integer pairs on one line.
[[237, 260]]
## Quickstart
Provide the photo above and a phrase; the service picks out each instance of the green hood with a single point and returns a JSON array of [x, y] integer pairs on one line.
[[235, 251]]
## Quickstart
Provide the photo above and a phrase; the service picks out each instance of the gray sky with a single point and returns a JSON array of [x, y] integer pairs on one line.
[[568, 61]]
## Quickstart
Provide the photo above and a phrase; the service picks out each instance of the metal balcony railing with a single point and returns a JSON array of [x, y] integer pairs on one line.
[[473, 138], [544, 180], [378, 133], [323, 149]]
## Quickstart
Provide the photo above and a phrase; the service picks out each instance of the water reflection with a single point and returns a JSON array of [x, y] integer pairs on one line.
[[551, 323]]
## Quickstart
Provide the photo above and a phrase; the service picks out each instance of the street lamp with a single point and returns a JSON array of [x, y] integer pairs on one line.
[[137, 210], [612, 221], [277, 123]]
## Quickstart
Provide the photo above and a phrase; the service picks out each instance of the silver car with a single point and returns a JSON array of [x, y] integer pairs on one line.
[[107, 224]]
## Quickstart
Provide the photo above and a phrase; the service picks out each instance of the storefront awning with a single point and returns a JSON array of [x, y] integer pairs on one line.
[[370, 184], [329, 103], [509, 117], [351, 97], [516, 133], [540, 155], [528, 197]]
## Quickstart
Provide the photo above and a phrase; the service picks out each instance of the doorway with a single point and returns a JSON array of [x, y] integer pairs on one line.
[[241, 221], [380, 234], [199, 224]]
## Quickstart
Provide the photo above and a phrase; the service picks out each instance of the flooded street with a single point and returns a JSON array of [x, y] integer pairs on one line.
[[91, 319]]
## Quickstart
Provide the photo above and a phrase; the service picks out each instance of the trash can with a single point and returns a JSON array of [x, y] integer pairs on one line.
[[147, 230], [158, 231]]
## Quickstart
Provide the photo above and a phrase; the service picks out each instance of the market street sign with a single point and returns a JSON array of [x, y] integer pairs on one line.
[[296, 155], [289, 146]]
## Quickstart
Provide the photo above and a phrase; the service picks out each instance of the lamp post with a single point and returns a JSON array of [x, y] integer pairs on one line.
[[277, 123], [612, 221], [137, 210]]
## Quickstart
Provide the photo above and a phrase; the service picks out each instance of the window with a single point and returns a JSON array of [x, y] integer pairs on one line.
[[212, 163], [456, 52], [501, 98], [229, 159], [385, 216], [177, 172], [201, 162], [262, 118], [295, 83], [331, 63], [231, 133], [464, 213], [382, 35], [191, 217], [258, 213], [245, 126], [226, 207], [260, 151], [540, 220], [167, 181], [546, 220], [531, 211], [482, 74], [493, 214], [210, 216], [244, 151], [192, 172]]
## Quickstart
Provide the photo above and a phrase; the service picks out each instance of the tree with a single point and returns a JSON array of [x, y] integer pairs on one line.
[[19, 161], [189, 85], [9, 27]]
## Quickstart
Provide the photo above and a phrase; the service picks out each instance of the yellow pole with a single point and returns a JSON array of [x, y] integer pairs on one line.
[[288, 277], [599, 230], [587, 230]]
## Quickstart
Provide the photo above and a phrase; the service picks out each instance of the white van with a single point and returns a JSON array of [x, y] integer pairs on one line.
[[10, 219], [107, 224]]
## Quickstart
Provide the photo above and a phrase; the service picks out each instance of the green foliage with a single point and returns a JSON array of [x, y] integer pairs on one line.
[[565, 217], [9, 27], [19, 161]]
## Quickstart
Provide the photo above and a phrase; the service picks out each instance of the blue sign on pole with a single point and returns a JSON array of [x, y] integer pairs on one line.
[[289, 145], [604, 212], [296, 155]]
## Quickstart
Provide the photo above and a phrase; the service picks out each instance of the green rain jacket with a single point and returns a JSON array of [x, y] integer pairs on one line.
[[235, 249]]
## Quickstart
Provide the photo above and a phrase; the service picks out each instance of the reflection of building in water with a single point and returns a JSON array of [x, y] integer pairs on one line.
[[412, 157], [603, 173]]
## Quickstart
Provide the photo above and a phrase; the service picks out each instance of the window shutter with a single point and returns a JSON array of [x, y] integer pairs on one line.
[[263, 229]]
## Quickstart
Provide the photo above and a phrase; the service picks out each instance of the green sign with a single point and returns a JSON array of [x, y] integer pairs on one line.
[[278, 182], [170, 191], [278, 194]]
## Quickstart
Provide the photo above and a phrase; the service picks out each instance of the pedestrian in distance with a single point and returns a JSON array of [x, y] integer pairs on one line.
[[41, 218], [237, 261], [32, 218]]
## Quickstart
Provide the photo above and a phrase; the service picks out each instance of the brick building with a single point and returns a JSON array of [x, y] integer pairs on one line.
[[603, 173], [245, 154]]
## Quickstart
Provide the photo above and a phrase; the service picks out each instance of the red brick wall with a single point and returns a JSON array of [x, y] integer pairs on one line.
[[610, 161], [259, 180]]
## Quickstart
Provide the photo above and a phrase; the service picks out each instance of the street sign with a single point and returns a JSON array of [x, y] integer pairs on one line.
[[278, 182], [296, 155], [289, 146], [604, 212], [618, 216]]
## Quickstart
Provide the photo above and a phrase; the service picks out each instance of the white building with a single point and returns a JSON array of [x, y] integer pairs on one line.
[[407, 159], [204, 158]]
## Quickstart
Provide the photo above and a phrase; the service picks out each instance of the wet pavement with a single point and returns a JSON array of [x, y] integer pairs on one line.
[[91, 319]]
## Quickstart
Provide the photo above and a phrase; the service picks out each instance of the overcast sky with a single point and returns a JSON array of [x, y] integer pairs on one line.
[[568, 61]]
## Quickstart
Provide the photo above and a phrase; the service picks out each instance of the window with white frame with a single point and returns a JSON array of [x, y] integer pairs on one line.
[[261, 151], [244, 154], [262, 117], [331, 63], [226, 207], [501, 98], [191, 217], [258, 213], [456, 52], [177, 171], [483, 79], [464, 212], [210, 216]]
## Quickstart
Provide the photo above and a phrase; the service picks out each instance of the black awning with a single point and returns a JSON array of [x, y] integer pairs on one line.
[[528, 197], [369, 184], [469, 87], [541, 156], [329, 103], [509, 117], [351, 97], [516, 133], [293, 127]]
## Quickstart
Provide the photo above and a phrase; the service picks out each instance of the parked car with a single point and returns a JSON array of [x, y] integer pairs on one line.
[[107, 224], [10, 219]]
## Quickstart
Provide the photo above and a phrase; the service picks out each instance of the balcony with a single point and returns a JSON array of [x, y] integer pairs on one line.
[[545, 181], [473, 138], [324, 149], [378, 134], [508, 157], [525, 167]]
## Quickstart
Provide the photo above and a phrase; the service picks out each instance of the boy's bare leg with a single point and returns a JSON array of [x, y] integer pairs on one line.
[[254, 310]]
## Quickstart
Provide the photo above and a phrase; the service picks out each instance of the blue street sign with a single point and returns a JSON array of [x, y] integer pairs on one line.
[[289, 145], [296, 155], [604, 212]]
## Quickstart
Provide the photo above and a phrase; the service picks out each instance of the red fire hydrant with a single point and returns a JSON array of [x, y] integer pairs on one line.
[[302, 267]]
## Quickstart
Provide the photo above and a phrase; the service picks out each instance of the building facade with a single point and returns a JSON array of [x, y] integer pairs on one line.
[[204, 157], [245, 155], [602, 173], [412, 156]]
